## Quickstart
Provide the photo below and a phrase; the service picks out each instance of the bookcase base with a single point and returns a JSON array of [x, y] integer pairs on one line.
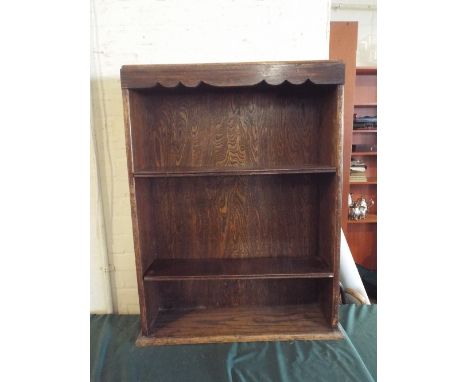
[[240, 324]]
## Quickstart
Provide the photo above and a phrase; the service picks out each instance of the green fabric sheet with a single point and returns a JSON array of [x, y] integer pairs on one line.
[[114, 356]]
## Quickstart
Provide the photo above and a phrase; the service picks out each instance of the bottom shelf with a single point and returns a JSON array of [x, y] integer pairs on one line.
[[371, 218], [240, 324]]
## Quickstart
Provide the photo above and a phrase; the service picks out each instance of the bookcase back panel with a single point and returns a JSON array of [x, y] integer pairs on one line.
[[362, 239], [207, 127], [209, 293], [233, 216]]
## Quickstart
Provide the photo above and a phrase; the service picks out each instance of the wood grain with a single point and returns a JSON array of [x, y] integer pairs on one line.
[[193, 171], [232, 74], [251, 127], [148, 299], [330, 196], [201, 293], [232, 217], [236, 269], [241, 324]]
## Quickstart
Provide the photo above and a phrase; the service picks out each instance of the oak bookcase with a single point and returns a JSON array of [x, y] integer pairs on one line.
[[235, 185]]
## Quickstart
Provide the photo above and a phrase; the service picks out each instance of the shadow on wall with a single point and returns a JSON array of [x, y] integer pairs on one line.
[[107, 127]]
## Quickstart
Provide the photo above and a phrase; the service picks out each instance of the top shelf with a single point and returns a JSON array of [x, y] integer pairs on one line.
[[368, 104], [184, 172], [363, 131], [232, 74], [369, 70]]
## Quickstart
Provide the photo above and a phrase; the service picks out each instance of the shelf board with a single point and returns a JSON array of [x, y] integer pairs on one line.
[[236, 269], [364, 153], [363, 131], [183, 172], [371, 218], [366, 70], [240, 324], [370, 180], [367, 104]]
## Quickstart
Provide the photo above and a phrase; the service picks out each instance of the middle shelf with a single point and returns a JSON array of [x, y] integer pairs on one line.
[[237, 268], [369, 180], [363, 153], [227, 171]]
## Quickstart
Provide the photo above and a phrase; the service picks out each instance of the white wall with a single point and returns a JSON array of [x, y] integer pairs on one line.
[[160, 31], [101, 297], [365, 13]]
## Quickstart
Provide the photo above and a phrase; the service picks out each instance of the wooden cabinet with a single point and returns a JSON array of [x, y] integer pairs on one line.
[[235, 184], [362, 234]]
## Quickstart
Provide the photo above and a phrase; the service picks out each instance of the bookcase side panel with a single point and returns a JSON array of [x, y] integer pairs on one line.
[[330, 197], [339, 128], [148, 299]]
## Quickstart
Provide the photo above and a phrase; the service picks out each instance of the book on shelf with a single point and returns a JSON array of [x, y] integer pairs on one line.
[[357, 177], [358, 171], [365, 122], [357, 162]]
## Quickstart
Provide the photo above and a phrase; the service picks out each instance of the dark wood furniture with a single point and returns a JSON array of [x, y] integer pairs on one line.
[[362, 234], [235, 183]]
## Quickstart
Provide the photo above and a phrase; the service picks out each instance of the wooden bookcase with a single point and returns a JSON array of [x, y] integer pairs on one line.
[[362, 234], [235, 184]]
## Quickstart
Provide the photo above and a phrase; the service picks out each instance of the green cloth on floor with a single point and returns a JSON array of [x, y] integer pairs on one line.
[[114, 356]]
